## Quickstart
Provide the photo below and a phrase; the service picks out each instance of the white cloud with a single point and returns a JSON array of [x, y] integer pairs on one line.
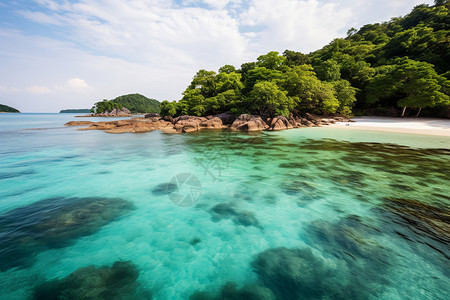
[[38, 90], [8, 89], [77, 83]]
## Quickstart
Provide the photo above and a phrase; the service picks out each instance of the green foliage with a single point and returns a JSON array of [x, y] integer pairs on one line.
[[136, 103], [271, 60], [6, 108], [415, 84], [267, 99]]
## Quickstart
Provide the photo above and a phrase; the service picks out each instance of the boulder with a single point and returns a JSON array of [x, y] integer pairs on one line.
[[152, 115], [168, 118], [280, 123], [188, 123], [213, 123], [249, 123], [227, 118]]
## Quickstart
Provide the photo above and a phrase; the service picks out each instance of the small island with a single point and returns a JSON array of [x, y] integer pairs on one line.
[[124, 106], [75, 111], [8, 109]]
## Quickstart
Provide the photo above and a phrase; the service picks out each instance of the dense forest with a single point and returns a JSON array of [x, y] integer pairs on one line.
[[392, 68], [6, 108], [75, 111], [136, 103]]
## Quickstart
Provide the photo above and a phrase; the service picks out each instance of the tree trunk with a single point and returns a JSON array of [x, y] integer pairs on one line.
[[420, 108], [403, 112]]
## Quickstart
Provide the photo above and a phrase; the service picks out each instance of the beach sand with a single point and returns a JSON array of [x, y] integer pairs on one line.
[[427, 126]]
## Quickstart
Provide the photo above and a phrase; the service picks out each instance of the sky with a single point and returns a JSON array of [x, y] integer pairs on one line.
[[59, 54]]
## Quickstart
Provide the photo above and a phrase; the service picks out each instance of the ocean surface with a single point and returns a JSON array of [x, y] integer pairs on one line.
[[311, 213]]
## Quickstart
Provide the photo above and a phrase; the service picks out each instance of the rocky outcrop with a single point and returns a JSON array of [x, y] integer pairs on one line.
[[152, 115], [249, 123], [78, 123], [186, 124], [280, 123]]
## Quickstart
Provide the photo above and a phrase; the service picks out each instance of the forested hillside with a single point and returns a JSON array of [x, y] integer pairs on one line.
[[6, 108], [136, 103], [396, 67]]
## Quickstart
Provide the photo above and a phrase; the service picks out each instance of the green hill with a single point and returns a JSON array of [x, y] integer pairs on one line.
[[6, 108], [136, 103], [75, 111]]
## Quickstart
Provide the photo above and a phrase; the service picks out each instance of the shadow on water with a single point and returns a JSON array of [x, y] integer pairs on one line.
[[53, 223]]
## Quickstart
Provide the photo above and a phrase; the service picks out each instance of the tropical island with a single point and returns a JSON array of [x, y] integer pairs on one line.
[[75, 111], [8, 109], [125, 105], [396, 68]]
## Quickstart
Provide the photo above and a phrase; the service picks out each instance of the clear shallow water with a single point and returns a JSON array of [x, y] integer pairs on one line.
[[301, 214]]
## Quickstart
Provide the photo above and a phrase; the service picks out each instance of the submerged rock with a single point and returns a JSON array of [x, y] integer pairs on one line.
[[53, 223], [227, 211], [164, 188], [230, 292], [91, 283]]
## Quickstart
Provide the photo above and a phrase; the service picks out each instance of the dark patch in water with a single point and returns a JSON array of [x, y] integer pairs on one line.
[[104, 172], [227, 211], [195, 241], [53, 223], [9, 175], [296, 187], [230, 291], [424, 227], [92, 283], [299, 274], [164, 188]]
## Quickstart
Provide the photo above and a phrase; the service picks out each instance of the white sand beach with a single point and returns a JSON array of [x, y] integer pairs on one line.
[[427, 126]]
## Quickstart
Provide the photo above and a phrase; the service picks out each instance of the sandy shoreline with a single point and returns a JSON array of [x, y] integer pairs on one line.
[[426, 126]]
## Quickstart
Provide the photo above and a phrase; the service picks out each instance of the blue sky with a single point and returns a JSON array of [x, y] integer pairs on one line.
[[58, 54]]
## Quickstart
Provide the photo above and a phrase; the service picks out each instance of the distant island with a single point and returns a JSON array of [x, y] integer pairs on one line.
[[8, 109], [135, 103], [75, 111]]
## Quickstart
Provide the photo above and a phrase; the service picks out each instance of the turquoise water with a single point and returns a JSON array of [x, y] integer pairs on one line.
[[314, 213]]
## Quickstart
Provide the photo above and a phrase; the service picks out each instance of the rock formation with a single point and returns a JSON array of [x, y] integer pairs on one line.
[[186, 124]]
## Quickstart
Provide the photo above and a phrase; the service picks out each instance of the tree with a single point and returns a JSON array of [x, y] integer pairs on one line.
[[268, 100], [168, 108], [329, 70], [294, 58], [415, 84], [345, 94], [205, 81], [193, 102], [227, 69], [309, 93], [271, 60]]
